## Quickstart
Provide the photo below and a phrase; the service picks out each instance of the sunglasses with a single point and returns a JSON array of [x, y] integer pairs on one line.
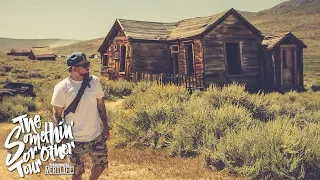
[[85, 65]]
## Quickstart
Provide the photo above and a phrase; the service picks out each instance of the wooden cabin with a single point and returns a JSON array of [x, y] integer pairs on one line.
[[224, 48], [283, 62], [19, 52], [42, 53]]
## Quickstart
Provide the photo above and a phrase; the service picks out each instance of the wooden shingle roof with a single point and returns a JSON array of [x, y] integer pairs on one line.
[[37, 51], [272, 41], [187, 28], [20, 50], [146, 30], [194, 26]]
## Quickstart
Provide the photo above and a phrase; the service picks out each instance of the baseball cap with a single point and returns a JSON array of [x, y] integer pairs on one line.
[[75, 58]]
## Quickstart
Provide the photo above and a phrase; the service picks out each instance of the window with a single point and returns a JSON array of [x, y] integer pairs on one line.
[[189, 58], [175, 48], [233, 58]]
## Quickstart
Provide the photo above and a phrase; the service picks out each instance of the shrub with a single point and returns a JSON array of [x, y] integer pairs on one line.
[[118, 88], [199, 125], [36, 75], [18, 70], [6, 68], [232, 93], [3, 74], [276, 150], [57, 76], [11, 107], [22, 76], [315, 87]]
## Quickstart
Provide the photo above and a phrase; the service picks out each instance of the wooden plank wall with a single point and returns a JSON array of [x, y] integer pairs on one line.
[[278, 67], [150, 57], [119, 40], [198, 59], [232, 29]]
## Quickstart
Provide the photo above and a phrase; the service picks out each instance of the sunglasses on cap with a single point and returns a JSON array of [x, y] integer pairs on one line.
[[85, 65]]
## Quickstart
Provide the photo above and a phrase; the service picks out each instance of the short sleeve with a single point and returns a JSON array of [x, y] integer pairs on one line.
[[100, 92], [58, 97]]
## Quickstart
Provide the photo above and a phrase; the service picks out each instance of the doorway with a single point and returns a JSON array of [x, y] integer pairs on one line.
[[288, 65], [123, 58]]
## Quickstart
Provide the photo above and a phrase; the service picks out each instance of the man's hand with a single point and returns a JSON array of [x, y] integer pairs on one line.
[[103, 116], [106, 133], [57, 112]]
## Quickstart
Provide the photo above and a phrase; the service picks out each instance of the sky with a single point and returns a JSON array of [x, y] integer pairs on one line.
[[89, 19]]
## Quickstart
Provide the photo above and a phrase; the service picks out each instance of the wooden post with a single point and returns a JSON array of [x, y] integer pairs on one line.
[[196, 78]]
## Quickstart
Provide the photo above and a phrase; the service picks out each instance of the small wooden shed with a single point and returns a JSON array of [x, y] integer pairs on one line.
[[283, 62], [42, 53], [19, 52]]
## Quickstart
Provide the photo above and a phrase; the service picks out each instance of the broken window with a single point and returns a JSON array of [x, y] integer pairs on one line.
[[189, 58], [233, 58]]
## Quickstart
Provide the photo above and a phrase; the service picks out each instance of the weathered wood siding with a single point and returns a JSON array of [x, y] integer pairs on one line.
[[113, 62], [197, 55], [232, 30], [150, 57], [277, 58]]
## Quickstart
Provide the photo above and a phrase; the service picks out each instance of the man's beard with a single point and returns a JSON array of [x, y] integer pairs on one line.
[[85, 75]]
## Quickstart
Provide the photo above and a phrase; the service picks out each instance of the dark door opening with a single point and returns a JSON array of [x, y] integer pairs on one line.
[[233, 58], [288, 66], [174, 63], [189, 58], [123, 59], [105, 60]]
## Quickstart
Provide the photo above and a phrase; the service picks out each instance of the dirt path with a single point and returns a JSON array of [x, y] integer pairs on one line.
[[126, 163]]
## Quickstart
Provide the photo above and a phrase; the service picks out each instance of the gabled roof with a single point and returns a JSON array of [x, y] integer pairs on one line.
[[194, 26], [146, 30], [38, 51], [272, 41], [20, 50], [183, 29]]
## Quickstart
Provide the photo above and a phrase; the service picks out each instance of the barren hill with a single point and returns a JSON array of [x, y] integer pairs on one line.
[[8, 43], [302, 17], [89, 47]]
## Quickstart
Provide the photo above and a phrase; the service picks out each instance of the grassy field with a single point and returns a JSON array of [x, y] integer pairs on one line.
[[311, 73], [217, 134], [125, 163]]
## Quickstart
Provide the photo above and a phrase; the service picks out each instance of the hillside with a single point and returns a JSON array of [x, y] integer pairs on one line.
[[7, 43], [89, 47], [300, 17]]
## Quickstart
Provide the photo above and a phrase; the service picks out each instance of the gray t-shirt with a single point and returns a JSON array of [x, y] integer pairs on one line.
[[86, 119]]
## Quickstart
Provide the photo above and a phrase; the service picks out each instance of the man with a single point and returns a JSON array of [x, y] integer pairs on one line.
[[87, 132]]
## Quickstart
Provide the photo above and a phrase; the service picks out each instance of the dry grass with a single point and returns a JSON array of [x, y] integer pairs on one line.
[[126, 163]]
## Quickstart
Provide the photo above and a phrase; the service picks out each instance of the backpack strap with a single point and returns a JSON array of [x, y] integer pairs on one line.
[[73, 106]]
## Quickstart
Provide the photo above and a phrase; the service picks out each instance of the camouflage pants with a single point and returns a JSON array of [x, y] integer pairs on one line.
[[97, 150]]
